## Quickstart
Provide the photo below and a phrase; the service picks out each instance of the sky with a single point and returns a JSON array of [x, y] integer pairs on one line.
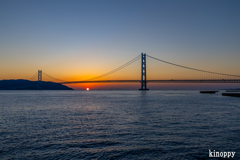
[[79, 39]]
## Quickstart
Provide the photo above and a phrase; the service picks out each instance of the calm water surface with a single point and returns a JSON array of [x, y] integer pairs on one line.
[[117, 124]]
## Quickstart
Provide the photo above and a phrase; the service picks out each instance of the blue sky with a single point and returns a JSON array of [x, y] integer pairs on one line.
[[68, 38]]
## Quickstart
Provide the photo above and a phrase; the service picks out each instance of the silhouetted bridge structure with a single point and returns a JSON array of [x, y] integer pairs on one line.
[[207, 76], [157, 81]]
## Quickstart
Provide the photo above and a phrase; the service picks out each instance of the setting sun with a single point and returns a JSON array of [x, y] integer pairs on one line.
[[87, 89]]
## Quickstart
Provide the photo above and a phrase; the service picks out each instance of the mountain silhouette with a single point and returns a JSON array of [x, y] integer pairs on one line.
[[21, 84]]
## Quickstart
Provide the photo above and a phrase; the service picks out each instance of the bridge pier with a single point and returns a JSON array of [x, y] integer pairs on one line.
[[39, 80], [143, 73]]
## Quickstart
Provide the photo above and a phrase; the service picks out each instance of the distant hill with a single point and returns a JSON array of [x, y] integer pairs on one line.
[[21, 84]]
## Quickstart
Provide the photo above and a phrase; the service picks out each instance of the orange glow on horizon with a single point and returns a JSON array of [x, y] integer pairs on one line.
[[103, 86], [151, 86]]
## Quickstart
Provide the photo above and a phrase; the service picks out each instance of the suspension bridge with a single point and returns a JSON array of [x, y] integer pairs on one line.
[[184, 75]]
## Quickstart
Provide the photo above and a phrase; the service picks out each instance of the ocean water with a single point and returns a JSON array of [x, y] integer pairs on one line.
[[117, 125]]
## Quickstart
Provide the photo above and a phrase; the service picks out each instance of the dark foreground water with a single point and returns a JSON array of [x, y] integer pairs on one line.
[[117, 125]]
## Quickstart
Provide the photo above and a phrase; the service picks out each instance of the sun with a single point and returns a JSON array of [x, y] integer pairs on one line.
[[87, 89]]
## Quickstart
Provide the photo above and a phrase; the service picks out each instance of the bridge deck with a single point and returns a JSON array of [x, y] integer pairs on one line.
[[160, 81]]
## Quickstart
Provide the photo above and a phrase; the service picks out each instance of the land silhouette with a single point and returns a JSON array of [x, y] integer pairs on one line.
[[21, 84]]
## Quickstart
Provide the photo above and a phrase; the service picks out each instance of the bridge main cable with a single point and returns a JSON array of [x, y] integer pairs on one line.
[[192, 68], [117, 69], [34, 76], [52, 77], [108, 73]]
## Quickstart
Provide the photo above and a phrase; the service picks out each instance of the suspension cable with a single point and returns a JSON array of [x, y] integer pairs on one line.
[[192, 68], [117, 69], [52, 77], [33, 76]]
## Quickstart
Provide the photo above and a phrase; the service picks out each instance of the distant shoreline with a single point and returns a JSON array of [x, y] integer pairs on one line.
[[21, 84]]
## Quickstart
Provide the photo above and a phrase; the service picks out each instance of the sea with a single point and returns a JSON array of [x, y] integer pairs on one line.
[[118, 124]]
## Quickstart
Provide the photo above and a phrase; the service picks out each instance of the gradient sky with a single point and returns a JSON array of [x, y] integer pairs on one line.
[[80, 39]]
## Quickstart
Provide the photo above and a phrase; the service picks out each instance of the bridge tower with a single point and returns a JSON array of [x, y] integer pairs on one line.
[[39, 80], [143, 73]]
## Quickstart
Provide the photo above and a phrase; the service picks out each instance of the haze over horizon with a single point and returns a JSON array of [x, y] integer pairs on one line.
[[78, 40]]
